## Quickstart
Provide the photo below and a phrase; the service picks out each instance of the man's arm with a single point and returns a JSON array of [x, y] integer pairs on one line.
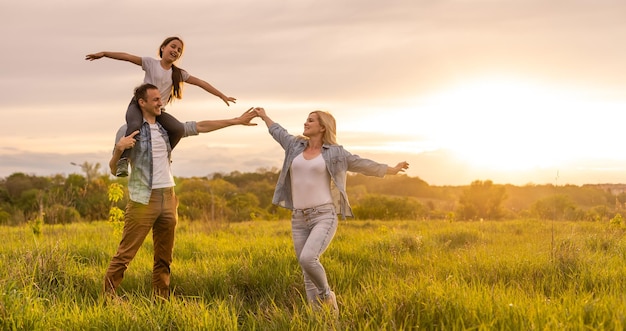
[[212, 125]]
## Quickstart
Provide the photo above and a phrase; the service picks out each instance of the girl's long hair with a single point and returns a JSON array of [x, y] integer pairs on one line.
[[328, 122], [177, 75]]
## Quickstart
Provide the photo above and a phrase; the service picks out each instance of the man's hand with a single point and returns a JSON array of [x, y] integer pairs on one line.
[[246, 117], [126, 142]]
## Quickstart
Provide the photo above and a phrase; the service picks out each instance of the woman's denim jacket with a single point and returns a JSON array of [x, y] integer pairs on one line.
[[338, 163]]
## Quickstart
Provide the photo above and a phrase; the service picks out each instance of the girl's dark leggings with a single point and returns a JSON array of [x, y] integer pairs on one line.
[[175, 129]]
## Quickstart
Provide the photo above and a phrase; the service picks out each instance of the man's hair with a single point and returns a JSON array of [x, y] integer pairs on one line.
[[142, 91]]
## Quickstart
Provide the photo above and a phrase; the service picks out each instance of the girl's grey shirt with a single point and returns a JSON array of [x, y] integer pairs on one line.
[[338, 162]]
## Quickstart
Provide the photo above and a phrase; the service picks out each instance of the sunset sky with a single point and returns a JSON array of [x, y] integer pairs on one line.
[[515, 91]]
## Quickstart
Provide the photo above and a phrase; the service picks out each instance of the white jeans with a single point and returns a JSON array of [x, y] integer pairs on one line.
[[312, 230]]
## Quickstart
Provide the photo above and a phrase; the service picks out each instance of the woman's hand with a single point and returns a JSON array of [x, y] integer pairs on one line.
[[400, 167]]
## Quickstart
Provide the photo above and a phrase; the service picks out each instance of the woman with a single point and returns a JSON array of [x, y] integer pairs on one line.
[[164, 74], [312, 184]]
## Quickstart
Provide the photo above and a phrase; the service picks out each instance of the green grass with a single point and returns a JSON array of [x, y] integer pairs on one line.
[[400, 275]]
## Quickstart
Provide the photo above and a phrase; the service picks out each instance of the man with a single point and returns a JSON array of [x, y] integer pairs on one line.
[[153, 204]]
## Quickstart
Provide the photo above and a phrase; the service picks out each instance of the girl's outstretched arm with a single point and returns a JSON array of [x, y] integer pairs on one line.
[[116, 56], [209, 88]]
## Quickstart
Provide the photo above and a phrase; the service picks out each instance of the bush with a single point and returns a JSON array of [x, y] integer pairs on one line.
[[4, 217], [59, 214], [381, 207]]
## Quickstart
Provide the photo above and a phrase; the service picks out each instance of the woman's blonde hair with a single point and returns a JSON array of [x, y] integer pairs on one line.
[[328, 122]]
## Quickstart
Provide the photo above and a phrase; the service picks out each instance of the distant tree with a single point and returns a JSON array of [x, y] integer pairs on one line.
[[91, 170], [5, 217], [244, 207], [239, 196], [242, 179], [202, 199], [59, 193], [263, 190], [29, 202], [587, 196], [598, 213], [17, 183], [200, 206], [556, 207], [95, 204], [192, 184], [60, 214], [260, 183], [482, 200], [381, 207], [621, 200], [356, 192], [520, 198], [400, 185], [76, 184]]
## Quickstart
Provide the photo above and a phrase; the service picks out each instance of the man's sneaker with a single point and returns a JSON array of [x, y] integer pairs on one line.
[[122, 168]]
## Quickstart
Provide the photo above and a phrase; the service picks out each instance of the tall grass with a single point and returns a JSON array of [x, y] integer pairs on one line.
[[400, 275]]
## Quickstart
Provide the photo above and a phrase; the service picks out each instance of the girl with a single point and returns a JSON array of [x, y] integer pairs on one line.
[[169, 79]]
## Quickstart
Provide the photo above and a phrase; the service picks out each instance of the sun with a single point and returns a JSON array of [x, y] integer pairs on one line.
[[508, 125], [504, 124]]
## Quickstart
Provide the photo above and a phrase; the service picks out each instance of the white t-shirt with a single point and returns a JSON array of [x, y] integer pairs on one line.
[[161, 169], [310, 182], [159, 77]]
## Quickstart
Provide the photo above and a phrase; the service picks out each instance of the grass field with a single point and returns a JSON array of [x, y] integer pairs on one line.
[[400, 275]]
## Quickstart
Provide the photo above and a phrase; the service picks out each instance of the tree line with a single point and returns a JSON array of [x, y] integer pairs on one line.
[[236, 197]]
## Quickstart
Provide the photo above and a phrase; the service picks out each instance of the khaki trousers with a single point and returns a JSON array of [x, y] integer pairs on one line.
[[159, 215]]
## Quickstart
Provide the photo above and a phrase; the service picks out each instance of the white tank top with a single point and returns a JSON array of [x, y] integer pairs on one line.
[[310, 182], [161, 170]]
